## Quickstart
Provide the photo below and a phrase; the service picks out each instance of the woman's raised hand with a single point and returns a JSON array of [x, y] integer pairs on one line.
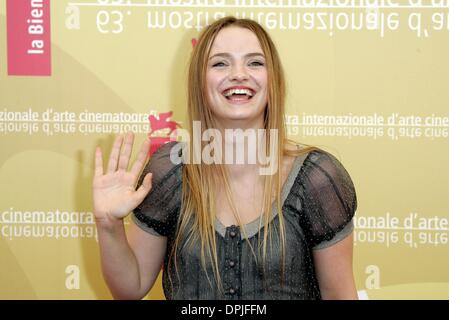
[[114, 194]]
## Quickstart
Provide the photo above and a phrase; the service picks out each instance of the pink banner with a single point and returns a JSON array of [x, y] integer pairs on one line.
[[28, 29]]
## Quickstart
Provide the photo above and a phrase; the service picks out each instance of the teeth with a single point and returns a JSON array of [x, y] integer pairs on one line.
[[230, 92]]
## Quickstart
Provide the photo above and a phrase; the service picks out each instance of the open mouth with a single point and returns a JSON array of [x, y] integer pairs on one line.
[[238, 94]]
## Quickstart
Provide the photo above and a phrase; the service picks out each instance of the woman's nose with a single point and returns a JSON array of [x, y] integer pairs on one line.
[[238, 72]]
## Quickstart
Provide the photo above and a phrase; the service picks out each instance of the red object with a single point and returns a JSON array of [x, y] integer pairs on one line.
[[162, 122], [159, 123], [28, 37]]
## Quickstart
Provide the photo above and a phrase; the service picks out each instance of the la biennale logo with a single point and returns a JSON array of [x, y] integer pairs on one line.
[[158, 134], [28, 37]]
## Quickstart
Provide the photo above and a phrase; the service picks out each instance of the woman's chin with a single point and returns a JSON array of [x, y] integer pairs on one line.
[[241, 112], [240, 118]]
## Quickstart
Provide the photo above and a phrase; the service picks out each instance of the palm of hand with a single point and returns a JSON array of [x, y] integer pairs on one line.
[[114, 193]]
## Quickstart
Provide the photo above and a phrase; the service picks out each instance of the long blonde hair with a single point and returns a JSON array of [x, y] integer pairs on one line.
[[199, 181]]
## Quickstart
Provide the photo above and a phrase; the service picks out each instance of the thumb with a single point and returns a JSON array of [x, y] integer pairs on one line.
[[145, 187]]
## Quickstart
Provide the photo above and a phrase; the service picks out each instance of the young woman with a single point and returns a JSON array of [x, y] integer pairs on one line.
[[225, 231]]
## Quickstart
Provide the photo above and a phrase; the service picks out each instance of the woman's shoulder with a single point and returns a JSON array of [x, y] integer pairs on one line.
[[166, 172], [163, 162], [313, 159], [320, 178], [158, 212], [322, 166], [324, 198]]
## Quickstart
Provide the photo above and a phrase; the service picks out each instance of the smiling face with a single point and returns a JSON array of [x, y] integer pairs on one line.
[[236, 79]]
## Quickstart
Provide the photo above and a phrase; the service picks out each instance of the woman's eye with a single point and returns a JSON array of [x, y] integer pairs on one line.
[[253, 63]]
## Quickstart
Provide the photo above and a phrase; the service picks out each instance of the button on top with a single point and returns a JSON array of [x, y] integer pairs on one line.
[[232, 234]]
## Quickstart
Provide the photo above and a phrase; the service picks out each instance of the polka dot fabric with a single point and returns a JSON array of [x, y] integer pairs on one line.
[[318, 204]]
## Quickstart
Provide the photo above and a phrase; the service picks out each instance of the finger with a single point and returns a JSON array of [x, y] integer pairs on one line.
[[141, 158], [144, 188], [126, 153], [98, 162], [113, 158]]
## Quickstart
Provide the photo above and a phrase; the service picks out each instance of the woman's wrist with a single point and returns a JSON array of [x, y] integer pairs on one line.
[[108, 223]]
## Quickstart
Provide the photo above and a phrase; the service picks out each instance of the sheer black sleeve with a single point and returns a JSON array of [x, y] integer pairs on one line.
[[327, 198], [159, 211]]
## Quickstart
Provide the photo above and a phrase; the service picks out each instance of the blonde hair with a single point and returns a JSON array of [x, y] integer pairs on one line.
[[198, 212]]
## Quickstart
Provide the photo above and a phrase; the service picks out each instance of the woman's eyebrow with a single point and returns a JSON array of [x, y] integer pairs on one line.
[[227, 55]]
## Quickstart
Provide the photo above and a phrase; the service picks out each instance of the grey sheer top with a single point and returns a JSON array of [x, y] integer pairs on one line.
[[318, 203]]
